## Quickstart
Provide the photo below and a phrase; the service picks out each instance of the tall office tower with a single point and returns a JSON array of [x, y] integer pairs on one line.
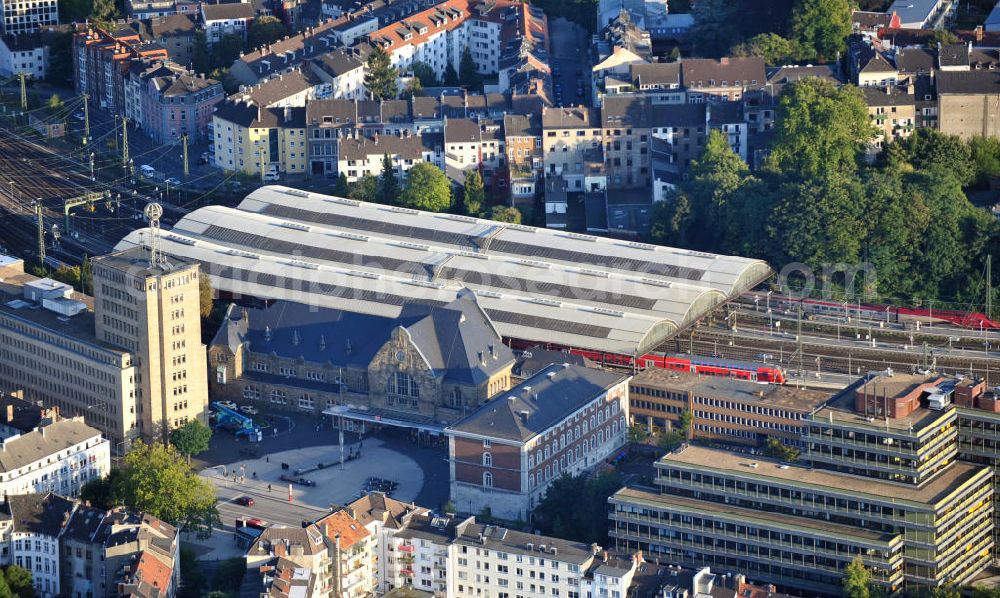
[[150, 306], [28, 16]]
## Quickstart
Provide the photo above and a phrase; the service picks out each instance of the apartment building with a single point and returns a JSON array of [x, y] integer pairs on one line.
[[26, 53], [564, 419], [572, 146], [50, 353], [28, 16], [352, 552], [220, 20], [627, 124], [150, 306], [101, 61], [725, 79], [59, 455], [256, 140], [344, 71], [388, 369], [176, 33], [967, 103], [358, 157], [436, 36], [522, 135], [303, 547], [169, 102], [30, 527], [723, 410], [118, 552]]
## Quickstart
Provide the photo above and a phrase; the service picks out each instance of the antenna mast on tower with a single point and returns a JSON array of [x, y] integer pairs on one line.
[[153, 212]]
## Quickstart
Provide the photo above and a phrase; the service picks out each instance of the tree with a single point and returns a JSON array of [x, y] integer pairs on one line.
[[18, 579], [414, 89], [507, 214], [265, 30], [55, 103], [670, 220], [86, 276], [468, 75], [927, 148], [425, 74], [69, 275], [102, 492], [474, 196], [201, 55], [675, 54], [773, 48], [985, 159], [193, 583], [103, 12], [342, 188], [229, 575], [72, 11], [365, 189], [575, 507], [205, 295], [427, 188], [820, 128], [60, 69], [669, 441], [684, 422], [450, 76], [388, 185], [381, 78], [857, 579], [637, 434], [155, 479], [776, 449], [821, 27], [715, 179], [191, 438], [227, 50], [713, 31]]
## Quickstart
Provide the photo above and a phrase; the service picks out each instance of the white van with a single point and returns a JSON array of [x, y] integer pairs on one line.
[[270, 177], [147, 171]]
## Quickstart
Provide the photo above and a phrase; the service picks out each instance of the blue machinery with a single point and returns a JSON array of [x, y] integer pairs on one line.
[[240, 424]]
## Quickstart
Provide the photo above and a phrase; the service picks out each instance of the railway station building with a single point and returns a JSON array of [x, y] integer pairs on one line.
[[538, 286]]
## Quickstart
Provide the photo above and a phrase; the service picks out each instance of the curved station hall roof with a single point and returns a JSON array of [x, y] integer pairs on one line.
[[536, 284]]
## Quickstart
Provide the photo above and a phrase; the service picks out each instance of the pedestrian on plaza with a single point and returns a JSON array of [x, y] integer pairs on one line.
[[268, 487]]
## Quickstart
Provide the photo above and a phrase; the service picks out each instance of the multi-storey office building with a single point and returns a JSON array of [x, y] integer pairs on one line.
[[722, 409], [798, 527], [878, 429], [50, 353], [28, 16], [151, 306], [564, 419]]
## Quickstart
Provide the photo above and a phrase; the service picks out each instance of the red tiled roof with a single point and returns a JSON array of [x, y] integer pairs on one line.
[[341, 523], [153, 571]]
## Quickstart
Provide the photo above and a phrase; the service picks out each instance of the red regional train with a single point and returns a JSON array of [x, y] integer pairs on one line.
[[707, 366], [903, 315]]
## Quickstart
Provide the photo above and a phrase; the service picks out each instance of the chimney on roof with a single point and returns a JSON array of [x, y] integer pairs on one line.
[[9, 414], [979, 33], [524, 416]]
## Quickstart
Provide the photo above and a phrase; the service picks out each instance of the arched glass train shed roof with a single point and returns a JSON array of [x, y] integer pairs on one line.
[[536, 284]]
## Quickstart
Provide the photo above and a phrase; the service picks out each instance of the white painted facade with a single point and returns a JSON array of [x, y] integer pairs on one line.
[[64, 472], [33, 61]]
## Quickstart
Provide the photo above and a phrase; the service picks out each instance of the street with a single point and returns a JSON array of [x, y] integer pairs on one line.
[[571, 59]]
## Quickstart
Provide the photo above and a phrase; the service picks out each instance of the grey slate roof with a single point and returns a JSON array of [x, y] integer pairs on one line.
[[546, 399], [914, 60], [232, 10], [455, 339], [968, 82], [44, 442], [39, 513], [84, 524], [408, 148], [461, 130], [338, 62], [706, 72], [522, 125], [656, 74]]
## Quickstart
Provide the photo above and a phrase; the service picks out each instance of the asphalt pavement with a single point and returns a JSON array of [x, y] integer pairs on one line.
[[571, 55]]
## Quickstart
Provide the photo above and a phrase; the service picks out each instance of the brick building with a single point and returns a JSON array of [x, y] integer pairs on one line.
[[101, 62], [564, 419]]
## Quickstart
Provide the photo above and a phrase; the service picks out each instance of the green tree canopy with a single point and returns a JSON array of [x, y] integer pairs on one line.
[[450, 76], [773, 48], [227, 50], [381, 78], [342, 188], [60, 69], [714, 30], [192, 438], [206, 295], [427, 188], [156, 479], [265, 30], [425, 73], [715, 179], [508, 214], [55, 103], [821, 27], [985, 159], [475, 195], [575, 508], [102, 492], [927, 148], [468, 76], [857, 580], [388, 184], [670, 220], [17, 580], [820, 128], [365, 189]]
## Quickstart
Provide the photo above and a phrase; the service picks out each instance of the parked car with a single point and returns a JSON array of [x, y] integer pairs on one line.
[[79, 116], [251, 522], [296, 480], [228, 404], [245, 501], [248, 410], [270, 177], [172, 181]]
